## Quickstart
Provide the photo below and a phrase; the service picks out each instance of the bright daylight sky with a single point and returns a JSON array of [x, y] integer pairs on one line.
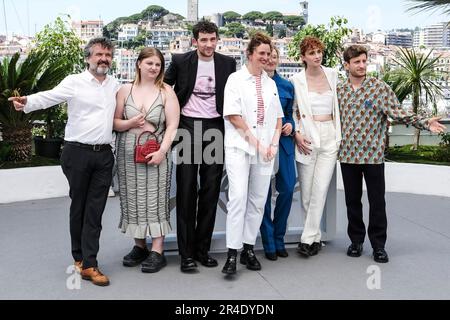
[[367, 15]]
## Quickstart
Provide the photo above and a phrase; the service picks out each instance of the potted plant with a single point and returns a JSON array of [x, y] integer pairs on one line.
[[32, 75], [60, 42], [49, 136]]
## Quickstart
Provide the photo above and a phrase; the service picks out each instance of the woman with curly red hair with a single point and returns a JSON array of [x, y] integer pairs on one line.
[[317, 138]]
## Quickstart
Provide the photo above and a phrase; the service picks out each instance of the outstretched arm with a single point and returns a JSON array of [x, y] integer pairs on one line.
[[46, 99], [393, 109]]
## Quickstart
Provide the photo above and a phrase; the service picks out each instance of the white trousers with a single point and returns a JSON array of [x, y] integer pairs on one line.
[[315, 178], [249, 179]]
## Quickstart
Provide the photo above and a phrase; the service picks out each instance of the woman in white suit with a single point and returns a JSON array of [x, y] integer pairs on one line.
[[318, 136]]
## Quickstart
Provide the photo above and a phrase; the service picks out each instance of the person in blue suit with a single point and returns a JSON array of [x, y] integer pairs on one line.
[[274, 230]]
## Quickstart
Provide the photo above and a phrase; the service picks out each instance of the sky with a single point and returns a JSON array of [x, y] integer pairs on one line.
[[367, 15]]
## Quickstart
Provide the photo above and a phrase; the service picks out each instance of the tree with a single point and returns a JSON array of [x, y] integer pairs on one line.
[[282, 34], [332, 36], [36, 73], [273, 16], [60, 43], [415, 77], [231, 16], [235, 29], [427, 5], [294, 22], [252, 16], [153, 13], [269, 29]]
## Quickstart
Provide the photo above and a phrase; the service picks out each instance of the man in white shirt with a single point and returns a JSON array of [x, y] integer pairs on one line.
[[87, 159]]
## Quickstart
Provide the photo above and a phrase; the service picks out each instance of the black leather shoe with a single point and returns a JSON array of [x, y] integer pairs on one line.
[[380, 255], [230, 265], [248, 258], [154, 263], [282, 253], [355, 250], [315, 248], [304, 249], [207, 261], [188, 264], [272, 256], [135, 257]]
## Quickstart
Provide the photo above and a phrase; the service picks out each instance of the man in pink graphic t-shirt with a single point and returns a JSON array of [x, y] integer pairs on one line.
[[199, 79]]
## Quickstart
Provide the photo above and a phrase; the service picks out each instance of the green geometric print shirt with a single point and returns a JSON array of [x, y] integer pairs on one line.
[[364, 120]]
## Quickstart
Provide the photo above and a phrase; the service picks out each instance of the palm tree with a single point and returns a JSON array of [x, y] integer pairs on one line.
[[34, 74], [415, 76], [427, 5]]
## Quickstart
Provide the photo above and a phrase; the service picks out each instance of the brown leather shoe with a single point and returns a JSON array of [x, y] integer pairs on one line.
[[94, 275], [78, 266]]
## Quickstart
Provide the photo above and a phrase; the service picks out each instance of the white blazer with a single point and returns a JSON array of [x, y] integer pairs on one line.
[[240, 98], [303, 118]]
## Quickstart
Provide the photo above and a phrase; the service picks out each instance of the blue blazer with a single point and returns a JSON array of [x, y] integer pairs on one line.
[[286, 93]]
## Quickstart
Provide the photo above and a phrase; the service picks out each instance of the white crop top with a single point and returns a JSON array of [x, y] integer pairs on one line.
[[321, 103]]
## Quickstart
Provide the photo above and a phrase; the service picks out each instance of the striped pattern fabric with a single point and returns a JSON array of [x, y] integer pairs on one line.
[[261, 109], [144, 190]]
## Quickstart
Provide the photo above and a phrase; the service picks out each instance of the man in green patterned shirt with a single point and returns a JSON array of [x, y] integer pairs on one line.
[[365, 105]]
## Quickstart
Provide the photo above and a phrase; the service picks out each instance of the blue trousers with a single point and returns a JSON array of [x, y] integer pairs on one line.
[[274, 230]]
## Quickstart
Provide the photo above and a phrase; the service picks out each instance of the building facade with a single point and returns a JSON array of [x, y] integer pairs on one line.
[[192, 11], [86, 30]]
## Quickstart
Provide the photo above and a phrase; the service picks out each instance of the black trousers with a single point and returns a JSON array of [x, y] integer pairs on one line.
[[197, 205], [89, 174], [352, 175]]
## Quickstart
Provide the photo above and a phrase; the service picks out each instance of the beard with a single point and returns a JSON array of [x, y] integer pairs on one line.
[[102, 70], [99, 70]]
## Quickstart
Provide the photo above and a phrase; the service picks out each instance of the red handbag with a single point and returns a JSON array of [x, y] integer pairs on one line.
[[150, 146]]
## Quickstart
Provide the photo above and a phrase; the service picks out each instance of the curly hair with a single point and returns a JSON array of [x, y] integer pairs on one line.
[[258, 39], [309, 43], [204, 26]]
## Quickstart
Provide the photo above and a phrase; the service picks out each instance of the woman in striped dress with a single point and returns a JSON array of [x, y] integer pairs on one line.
[[146, 105]]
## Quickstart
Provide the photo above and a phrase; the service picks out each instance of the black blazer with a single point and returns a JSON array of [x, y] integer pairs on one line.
[[182, 73]]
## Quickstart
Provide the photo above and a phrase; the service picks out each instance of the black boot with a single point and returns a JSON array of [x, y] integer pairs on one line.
[[230, 265], [248, 258]]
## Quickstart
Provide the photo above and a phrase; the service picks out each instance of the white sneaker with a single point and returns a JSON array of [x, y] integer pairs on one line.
[[111, 193]]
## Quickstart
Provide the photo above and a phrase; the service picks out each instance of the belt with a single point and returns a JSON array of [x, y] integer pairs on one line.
[[93, 147]]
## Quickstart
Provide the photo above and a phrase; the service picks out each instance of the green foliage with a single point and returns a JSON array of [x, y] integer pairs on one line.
[[294, 22], [424, 155], [55, 123], [139, 41], [152, 13], [252, 16], [282, 34], [273, 16], [5, 151], [429, 5], [415, 75], [231, 16], [332, 36], [60, 43], [34, 74], [443, 152], [234, 29], [269, 30], [36, 161]]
